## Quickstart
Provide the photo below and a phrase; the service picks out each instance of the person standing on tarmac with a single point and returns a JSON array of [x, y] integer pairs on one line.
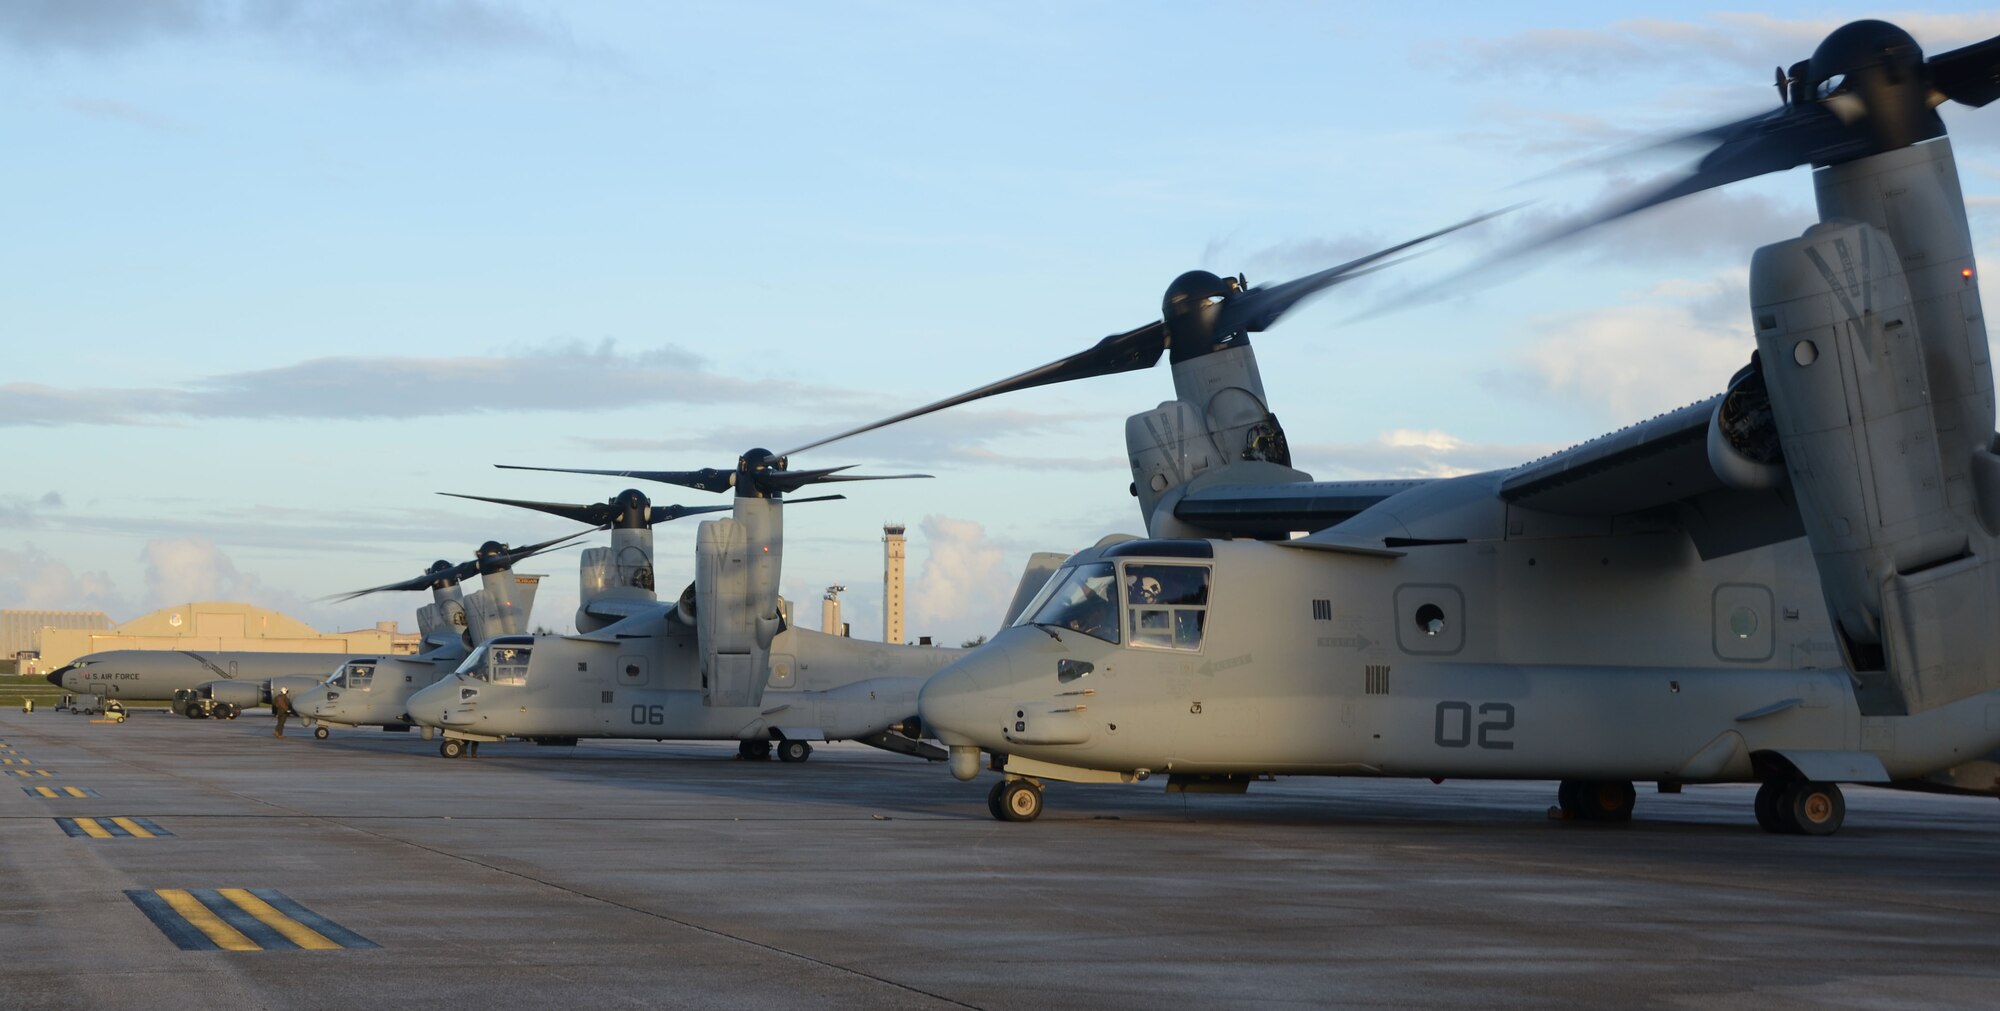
[[281, 707]]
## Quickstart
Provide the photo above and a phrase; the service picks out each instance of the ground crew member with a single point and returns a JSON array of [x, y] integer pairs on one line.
[[281, 707]]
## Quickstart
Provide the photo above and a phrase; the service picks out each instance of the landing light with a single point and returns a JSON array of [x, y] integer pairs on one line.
[[1966, 273]]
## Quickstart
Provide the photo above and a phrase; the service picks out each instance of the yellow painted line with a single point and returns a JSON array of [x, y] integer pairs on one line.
[[137, 830], [47, 791], [226, 937], [92, 829], [294, 931], [74, 792]]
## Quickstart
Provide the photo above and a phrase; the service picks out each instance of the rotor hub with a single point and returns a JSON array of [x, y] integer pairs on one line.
[[1192, 309], [1874, 71]]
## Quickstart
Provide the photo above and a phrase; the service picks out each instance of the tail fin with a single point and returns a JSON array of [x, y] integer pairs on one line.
[[1041, 565]]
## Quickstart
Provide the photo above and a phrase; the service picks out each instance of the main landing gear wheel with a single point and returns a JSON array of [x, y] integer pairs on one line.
[[753, 751], [1596, 800], [319, 733], [1015, 800], [794, 751], [452, 748], [1798, 807]]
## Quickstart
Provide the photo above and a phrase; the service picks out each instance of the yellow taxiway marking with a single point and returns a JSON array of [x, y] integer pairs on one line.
[[294, 931], [226, 937], [138, 830], [92, 829]]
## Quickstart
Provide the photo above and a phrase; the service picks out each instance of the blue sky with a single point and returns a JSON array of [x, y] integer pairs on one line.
[[276, 272]]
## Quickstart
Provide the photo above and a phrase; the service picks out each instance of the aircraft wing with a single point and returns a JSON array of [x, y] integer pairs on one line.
[[1658, 463], [619, 608], [630, 619], [1275, 510]]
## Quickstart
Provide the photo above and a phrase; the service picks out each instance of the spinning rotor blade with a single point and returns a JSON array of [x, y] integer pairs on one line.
[[1969, 76], [492, 558], [1243, 310], [1256, 309], [1866, 90], [708, 479], [758, 471], [597, 514], [1125, 352]]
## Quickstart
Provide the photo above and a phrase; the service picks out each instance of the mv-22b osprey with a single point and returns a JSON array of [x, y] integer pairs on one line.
[[375, 691], [1793, 583], [719, 663], [223, 683]]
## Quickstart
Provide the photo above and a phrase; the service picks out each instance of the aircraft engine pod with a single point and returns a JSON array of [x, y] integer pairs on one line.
[[245, 694], [1743, 442]]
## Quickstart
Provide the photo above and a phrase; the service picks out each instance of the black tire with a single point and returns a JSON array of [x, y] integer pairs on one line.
[[794, 751], [1020, 800], [754, 751], [1597, 799], [452, 748], [1815, 809], [1609, 800], [1768, 799], [993, 801], [319, 733]]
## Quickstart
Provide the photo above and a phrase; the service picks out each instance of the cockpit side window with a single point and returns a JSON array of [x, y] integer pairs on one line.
[[507, 665], [1082, 598], [360, 676], [1166, 605]]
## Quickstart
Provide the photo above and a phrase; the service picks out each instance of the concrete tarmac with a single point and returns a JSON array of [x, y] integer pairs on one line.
[[640, 874]]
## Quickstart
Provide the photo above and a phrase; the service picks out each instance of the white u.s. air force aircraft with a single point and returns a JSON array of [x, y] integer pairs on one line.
[[224, 682], [719, 663], [1793, 583]]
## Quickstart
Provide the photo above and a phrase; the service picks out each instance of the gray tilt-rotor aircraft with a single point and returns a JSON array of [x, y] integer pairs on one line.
[[719, 663], [226, 682], [369, 691], [1792, 583]]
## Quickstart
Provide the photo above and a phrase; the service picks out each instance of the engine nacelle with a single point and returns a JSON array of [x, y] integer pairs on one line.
[[1743, 445], [1217, 421], [727, 616], [1907, 571], [244, 694]]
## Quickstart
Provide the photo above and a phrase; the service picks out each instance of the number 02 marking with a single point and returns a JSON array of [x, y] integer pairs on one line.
[[1455, 728]]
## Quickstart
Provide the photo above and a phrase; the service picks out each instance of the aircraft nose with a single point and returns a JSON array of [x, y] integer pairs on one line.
[[56, 676], [953, 703]]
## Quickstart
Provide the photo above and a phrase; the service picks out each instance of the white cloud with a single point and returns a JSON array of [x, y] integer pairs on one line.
[[32, 580], [343, 31], [965, 583], [1410, 453], [1663, 349], [564, 376]]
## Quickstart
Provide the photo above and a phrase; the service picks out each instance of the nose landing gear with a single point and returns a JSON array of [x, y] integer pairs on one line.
[[1595, 800], [1015, 800], [1799, 807]]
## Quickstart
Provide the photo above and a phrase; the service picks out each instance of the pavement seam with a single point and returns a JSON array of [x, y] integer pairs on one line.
[[690, 925]]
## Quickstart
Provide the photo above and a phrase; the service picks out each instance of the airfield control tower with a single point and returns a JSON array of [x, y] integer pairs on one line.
[[892, 582]]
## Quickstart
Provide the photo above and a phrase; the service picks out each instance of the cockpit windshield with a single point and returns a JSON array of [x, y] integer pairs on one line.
[[1083, 598], [500, 662]]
